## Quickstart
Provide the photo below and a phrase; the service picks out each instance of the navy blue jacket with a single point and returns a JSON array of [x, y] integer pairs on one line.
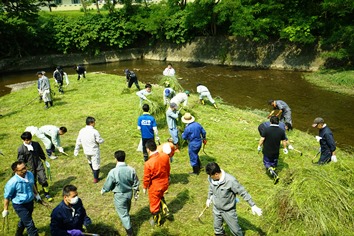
[[62, 218], [328, 145]]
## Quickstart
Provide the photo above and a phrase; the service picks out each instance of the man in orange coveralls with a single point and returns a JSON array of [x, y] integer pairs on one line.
[[156, 175]]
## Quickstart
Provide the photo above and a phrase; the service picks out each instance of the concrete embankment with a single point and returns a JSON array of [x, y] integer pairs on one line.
[[212, 50]]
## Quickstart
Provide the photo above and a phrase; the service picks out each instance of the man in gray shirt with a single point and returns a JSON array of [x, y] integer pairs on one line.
[[171, 117], [223, 188]]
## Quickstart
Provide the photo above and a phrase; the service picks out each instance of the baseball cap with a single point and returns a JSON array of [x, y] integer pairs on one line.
[[317, 121]]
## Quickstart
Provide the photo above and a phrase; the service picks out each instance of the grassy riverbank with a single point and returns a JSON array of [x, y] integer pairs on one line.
[[309, 200], [340, 82]]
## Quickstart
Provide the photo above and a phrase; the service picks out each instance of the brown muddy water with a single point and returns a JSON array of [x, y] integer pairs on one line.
[[240, 87]]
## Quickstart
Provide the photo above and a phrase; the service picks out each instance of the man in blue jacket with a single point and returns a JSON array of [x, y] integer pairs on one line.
[[326, 140], [70, 215], [196, 135]]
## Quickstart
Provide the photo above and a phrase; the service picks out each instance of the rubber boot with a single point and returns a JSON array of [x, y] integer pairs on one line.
[[157, 219], [274, 174], [129, 232], [46, 193], [51, 103], [216, 107], [46, 105], [164, 207], [195, 170], [19, 231], [202, 101], [96, 173]]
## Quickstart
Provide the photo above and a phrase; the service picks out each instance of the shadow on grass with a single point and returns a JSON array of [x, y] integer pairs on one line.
[[57, 186], [205, 159], [106, 168], [11, 113], [163, 232], [178, 202], [102, 230], [282, 165], [245, 226], [179, 178], [139, 218]]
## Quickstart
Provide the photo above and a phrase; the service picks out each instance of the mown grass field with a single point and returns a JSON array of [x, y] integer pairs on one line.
[[309, 200]]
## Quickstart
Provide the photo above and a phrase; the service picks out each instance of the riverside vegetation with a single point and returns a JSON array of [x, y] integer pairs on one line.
[[309, 200]]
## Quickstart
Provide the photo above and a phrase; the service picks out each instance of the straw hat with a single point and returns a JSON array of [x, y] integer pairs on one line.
[[187, 118]]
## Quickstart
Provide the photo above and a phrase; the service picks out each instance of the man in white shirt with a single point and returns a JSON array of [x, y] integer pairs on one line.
[[204, 92], [181, 97], [90, 140], [169, 71], [144, 92]]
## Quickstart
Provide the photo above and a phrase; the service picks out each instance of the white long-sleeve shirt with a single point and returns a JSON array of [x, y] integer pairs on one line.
[[169, 72], [90, 140], [179, 98]]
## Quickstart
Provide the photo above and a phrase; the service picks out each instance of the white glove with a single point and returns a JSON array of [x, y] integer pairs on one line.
[[259, 148], [144, 190], [334, 158], [290, 147], [5, 213], [76, 153], [157, 138], [47, 164], [256, 210], [285, 151], [102, 191], [60, 149], [318, 138], [38, 198], [208, 202]]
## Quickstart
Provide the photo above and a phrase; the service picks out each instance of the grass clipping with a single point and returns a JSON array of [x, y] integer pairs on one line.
[[318, 198]]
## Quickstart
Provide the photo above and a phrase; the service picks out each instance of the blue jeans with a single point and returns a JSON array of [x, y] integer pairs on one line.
[[24, 211], [174, 135]]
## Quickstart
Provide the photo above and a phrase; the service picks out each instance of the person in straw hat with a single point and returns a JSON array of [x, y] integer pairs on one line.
[[196, 135]]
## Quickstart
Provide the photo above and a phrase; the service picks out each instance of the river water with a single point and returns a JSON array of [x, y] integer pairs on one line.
[[240, 87]]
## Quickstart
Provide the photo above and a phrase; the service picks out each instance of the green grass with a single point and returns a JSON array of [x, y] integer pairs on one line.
[[339, 81], [309, 200]]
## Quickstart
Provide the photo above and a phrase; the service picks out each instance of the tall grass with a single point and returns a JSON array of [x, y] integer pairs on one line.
[[309, 200]]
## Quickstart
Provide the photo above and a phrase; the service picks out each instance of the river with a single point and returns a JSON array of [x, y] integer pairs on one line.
[[240, 87]]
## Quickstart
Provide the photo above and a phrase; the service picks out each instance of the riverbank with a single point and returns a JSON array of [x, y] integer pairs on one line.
[[212, 50], [340, 82], [298, 205]]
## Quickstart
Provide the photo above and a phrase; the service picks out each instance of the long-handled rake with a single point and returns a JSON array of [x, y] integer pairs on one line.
[[5, 222], [298, 151], [200, 215]]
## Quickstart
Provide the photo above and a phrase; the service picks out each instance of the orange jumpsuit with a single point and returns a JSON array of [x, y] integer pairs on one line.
[[156, 174]]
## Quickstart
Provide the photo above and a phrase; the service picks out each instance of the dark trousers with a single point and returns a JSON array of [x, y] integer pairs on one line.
[[146, 156], [24, 211]]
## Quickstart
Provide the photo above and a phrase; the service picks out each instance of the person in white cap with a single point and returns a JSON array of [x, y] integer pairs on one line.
[[326, 140], [196, 135]]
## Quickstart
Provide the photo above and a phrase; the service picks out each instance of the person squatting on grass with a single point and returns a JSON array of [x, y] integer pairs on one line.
[[21, 191], [44, 89], [31, 153], [90, 140], [181, 98], [196, 135], [171, 117], [81, 71], [284, 112], [326, 140], [223, 189], [270, 140], [167, 93], [70, 215], [156, 180], [148, 128], [124, 183], [204, 92], [50, 136], [131, 78], [144, 92]]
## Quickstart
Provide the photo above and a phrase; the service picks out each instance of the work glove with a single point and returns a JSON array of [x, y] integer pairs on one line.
[[290, 147], [334, 158], [256, 210], [5, 213], [75, 232], [47, 164], [259, 148], [208, 201], [60, 149], [136, 195], [76, 153], [157, 138], [144, 190], [38, 198], [205, 141], [285, 151], [318, 138], [102, 191]]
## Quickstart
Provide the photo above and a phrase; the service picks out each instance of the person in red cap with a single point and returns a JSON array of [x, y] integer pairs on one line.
[[326, 140]]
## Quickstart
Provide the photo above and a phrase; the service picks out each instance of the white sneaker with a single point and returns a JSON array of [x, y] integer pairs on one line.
[[53, 157]]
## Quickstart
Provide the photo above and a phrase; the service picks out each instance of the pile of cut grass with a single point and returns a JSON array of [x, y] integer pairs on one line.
[[309, 200]]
